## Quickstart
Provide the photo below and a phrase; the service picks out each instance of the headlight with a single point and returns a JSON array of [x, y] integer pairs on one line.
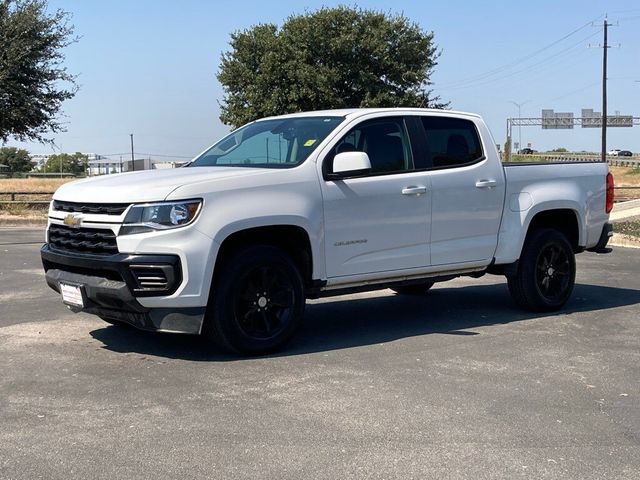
[[160, 216]]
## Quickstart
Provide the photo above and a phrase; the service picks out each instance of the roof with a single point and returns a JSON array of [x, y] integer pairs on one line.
[[356, 112]]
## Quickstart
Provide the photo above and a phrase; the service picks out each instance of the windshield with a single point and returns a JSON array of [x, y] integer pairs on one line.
[[277, 143]]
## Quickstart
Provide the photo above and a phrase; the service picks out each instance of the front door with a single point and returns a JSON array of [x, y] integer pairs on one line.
[[377, 222]]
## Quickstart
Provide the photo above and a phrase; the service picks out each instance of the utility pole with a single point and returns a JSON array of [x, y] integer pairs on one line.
[[133, 160], [605, 47], [605, 50]]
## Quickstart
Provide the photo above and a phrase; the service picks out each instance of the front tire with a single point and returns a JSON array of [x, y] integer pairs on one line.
[[257, 301], [546, 272]]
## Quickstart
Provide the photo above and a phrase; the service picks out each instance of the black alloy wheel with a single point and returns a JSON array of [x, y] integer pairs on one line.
[[256, 302], [553, 272], [546, 272], [263, 301]]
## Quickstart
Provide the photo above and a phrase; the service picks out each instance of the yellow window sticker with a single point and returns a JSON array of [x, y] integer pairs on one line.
[[310, 142]]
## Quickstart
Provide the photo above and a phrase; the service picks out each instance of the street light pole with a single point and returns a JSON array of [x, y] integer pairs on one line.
[[519, 105]]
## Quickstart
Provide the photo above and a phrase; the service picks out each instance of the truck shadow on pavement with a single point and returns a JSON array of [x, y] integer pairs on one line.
[[340, 322]]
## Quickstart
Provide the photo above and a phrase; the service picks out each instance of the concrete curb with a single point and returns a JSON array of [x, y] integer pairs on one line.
[[621, 240], [625, 210]]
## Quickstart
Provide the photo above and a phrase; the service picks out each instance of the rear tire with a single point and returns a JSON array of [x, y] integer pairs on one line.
[[546, 272], [257, 301], [413, 289]]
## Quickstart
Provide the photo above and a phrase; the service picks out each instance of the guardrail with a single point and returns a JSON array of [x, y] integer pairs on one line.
[[633, 162], [621, 193], [12, 195], [13, 198]]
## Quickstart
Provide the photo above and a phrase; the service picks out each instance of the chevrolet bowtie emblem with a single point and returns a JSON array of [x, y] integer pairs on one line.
[[72, 221]]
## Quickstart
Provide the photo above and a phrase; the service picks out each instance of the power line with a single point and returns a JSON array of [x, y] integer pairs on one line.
[[506, 66], [146, 154], [166, 156], [526, 69], [572, 92]]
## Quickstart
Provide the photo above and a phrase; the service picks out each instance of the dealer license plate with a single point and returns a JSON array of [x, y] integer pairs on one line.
[[71, 294]]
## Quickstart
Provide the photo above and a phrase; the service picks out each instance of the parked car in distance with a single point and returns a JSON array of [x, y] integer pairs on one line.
[[318, 204], [614, 152], [625, 153], [526, 151]]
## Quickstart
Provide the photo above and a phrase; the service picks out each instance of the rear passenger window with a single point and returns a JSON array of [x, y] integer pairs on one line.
[[384, 140], [451, 142]]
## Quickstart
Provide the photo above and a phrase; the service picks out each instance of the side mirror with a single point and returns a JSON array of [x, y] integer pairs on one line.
[[350, 163]]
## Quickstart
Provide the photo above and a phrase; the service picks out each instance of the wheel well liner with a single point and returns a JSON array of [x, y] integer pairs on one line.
[[564, 220], [292, 239]]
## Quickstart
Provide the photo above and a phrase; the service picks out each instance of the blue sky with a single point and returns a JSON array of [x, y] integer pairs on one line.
[[148, 67]]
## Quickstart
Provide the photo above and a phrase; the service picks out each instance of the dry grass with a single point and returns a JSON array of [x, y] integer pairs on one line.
[[46, 185], [40, 189], [10, 212], [626, 177]]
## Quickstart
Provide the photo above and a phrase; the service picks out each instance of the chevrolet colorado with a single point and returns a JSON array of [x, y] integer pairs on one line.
[[316, 204]]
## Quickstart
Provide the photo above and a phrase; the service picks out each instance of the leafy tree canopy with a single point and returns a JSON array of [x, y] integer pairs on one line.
[[17, 160], [332, 58], [76, 163], [33, 82]]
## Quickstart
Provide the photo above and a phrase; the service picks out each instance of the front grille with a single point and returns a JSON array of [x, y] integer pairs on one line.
[[94, 241], [95, 208]]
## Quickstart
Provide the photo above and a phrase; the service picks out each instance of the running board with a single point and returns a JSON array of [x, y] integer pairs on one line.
[[382, 283]]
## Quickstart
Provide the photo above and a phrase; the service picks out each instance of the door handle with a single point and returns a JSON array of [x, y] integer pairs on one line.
[[414, 190], [486, 183]]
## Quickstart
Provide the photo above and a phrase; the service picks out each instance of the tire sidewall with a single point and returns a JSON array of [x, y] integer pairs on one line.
[[534, 248], [226, 285]]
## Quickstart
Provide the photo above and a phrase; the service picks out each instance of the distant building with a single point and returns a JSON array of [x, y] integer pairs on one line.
[[104, 166], [99, 165]]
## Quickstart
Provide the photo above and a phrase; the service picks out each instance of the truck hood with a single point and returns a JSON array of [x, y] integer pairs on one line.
[[145, 185]]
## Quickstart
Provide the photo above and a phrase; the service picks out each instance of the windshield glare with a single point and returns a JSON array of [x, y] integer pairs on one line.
[[277, 143]]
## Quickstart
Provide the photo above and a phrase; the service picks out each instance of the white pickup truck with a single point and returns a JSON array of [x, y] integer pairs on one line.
[[316, 204]]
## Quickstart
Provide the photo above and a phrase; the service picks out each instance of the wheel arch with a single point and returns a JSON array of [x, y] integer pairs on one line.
[[565, 220], [292, 238], [516, 227]]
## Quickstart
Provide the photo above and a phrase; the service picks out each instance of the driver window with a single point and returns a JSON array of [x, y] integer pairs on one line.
[[384, 140]]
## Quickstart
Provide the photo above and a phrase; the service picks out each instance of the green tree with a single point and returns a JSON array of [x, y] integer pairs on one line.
[[33, 82], [332, 58], [67, 163], [560, 150], [16, 159]]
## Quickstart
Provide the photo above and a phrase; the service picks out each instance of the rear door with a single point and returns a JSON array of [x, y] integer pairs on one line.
[[467, 191], [378, 222]]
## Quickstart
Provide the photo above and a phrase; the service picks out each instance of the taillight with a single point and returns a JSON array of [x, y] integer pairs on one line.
[[609, 192]]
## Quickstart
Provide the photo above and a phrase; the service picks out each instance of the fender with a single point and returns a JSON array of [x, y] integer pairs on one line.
[[515, 226]]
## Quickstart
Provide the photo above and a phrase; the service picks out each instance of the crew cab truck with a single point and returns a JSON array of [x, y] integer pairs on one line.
[[316, 204]]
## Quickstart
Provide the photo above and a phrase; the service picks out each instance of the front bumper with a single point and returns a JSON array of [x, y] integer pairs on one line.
[[111, 287]]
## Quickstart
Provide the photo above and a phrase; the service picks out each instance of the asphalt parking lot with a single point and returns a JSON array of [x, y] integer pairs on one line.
[[458, 384]]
